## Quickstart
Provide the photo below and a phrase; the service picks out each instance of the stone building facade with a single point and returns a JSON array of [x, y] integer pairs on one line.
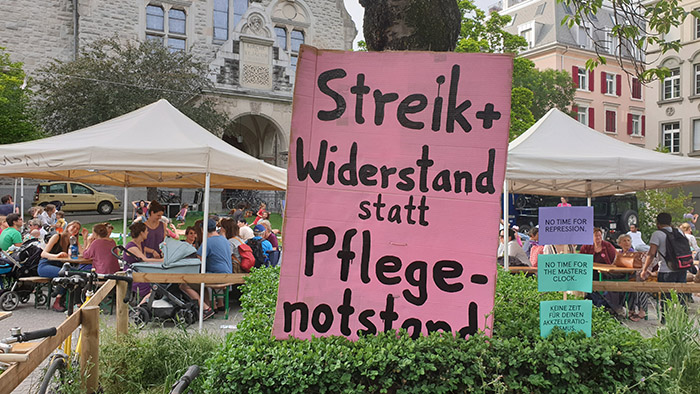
[[251, 48]]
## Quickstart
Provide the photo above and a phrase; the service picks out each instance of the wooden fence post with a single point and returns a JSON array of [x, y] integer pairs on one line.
[[122, 309], [90, 353]]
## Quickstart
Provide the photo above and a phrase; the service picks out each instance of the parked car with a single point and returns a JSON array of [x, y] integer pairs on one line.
[[614, 214], [75, 196]]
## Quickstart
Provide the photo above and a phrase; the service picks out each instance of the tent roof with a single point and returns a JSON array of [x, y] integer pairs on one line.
[[153, 146], [560, 156]]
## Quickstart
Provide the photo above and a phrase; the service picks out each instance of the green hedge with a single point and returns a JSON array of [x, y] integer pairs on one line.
[[515, 359]]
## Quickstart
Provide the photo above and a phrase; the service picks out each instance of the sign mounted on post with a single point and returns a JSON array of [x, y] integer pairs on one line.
[[396, 165], [566, 225], [570, 316], [563, 272]]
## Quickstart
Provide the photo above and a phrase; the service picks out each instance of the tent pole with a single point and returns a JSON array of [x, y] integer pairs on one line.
[[21, 194], [506, 225], [126, 198], [205, 234], [14, 197]]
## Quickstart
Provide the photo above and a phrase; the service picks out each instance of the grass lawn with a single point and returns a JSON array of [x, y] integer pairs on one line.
[[275, 220]]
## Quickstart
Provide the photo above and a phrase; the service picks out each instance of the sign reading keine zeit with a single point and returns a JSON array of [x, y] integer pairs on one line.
[[396, 165]]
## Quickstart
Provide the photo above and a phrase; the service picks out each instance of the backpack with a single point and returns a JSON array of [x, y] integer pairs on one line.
[[247, 259], [256, 248], [678, 255]]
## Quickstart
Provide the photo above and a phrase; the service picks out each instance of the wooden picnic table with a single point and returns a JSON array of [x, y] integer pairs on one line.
[[79, 260]]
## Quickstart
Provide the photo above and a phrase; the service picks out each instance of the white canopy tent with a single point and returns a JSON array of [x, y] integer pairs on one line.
[[560, 156], [153, 146]]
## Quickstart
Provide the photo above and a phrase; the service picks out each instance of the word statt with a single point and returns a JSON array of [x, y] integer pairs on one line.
[[396, 167]]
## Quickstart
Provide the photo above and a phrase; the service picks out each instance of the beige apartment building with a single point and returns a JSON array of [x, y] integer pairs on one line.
[[607, 99], [673, 104]]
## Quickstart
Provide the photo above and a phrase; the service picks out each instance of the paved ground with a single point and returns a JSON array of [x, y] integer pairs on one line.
[[30, 319]]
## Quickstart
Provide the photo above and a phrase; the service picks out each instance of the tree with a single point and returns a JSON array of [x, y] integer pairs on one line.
[[653, 202], [534, 92], [484, 33], [638, 25], [16, 121], [110, 79], [400, 25], [550, 88]]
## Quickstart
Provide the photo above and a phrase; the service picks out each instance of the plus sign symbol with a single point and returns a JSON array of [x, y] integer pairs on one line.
[[488, 115]]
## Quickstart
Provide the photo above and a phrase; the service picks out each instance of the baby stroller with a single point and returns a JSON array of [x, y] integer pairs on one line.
[[166, 300], [19, 263]]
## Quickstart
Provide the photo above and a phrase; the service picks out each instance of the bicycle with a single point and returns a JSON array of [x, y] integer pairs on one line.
[[80, 284], [168, 197], [181, 385], [6, 355]]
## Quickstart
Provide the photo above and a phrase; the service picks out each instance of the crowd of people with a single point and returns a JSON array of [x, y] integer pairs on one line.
[[649, 259], [233, 245]]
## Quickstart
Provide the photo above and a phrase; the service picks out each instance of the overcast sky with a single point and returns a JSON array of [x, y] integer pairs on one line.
[[356, 11]]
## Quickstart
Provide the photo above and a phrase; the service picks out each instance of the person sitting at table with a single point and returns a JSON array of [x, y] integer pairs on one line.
[[218, 262], [58, 247], [191, 236], [688, 232], [535, 248], [139, 233], [269, 235], [229, 230], [604, 253], [156, 230], [516, 254], [639, 300], [637, 242], [48, 217], [98, 247], [244, 231]]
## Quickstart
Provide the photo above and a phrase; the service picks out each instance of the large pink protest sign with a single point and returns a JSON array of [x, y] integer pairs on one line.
[[396, 167]]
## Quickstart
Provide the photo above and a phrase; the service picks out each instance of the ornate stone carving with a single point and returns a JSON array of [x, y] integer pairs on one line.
[[670, 111], [255, 26], [256, 76]]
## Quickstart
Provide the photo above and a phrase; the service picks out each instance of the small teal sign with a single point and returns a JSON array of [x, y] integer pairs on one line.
[[571, 316], [563, 272]]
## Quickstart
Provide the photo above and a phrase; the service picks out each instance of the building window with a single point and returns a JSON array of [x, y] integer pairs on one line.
[[696, 135], [672, 136], [582, 78], [582, 114], [293, 41], [281, 34], [697, 79], [221, 20], [239, 8], [155, 18], [672, 85], [583, 36], [697, 25], [610, 121], [636, 89], [610, 83], [636, 128], [529, 37], [175, 36]]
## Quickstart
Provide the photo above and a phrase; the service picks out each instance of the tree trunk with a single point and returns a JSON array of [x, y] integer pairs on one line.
[[419, 25]]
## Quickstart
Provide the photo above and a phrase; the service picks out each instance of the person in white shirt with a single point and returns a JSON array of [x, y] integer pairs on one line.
[[244, 231], [516, 254], [637, 243]]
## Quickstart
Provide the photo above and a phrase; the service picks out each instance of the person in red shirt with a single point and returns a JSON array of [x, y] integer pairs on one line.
[[99, 249]]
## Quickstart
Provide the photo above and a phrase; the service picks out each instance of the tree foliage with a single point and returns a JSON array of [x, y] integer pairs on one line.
[[652, 202], [111, 78], [484, 33], [534, 92], [639, 25], [551, 88], [16, 122]]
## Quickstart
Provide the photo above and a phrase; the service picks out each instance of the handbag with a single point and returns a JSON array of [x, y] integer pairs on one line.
[[628, 260]]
